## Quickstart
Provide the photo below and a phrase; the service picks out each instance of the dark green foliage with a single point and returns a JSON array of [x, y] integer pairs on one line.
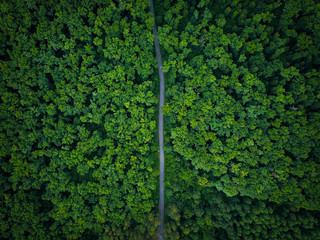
[[78, 143], [78, 109], [242, 113]]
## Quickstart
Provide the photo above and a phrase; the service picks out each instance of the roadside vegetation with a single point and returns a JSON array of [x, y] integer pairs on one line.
[[79, 95]]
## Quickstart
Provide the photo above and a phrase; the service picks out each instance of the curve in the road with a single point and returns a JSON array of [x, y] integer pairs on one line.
[[161, 75]]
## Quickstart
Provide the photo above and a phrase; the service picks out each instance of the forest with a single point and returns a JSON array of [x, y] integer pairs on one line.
[[79, 106]]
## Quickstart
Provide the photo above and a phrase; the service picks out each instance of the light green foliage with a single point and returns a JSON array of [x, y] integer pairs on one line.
[[78, 142], [242, 116], [78, 109]]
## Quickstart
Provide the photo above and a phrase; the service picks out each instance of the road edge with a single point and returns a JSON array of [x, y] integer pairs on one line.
[[160, 122]]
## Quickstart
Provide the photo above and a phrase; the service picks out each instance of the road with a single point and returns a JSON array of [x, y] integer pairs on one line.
[[161, 155]]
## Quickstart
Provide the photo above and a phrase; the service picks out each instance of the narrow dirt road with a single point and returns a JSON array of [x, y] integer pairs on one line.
[[161, 75]]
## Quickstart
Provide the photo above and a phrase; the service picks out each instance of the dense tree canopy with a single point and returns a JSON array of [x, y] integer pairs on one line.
[[78, 110], [242, 111], [78, 120]]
